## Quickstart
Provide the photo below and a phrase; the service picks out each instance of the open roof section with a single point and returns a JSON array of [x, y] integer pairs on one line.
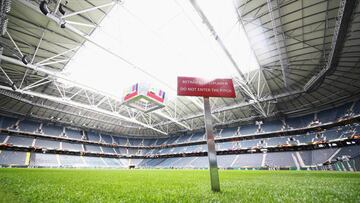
[[164, 39]]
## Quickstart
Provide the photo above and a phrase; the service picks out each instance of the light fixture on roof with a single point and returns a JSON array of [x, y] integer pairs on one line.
[[61, 8], [25, 60], [3, 24], [13, 87], [44, 7], [5, 8]]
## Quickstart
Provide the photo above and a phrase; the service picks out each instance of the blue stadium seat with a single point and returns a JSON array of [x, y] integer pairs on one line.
[[52, 130], [108, 150], [279, 159], [45, 160], [106, 138], [29, 126], [8, 122], [135, 141], [72, 146], [275, 141], [327, 116], [149, 142], [248, 129], [49, 144], [75, 134], [93, 148], [93, 136], [22, 141], [271, 126], [197, 136], [12, 158], [228, 132], [2, 138]]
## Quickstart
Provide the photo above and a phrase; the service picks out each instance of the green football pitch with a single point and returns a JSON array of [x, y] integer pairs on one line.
[[94, 185]]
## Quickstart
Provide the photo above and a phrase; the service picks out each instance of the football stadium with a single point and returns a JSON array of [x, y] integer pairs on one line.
[[179, 101]]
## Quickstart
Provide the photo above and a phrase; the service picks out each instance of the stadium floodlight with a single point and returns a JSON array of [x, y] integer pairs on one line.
[[25, 60], [3, 25], [44, 7], [61, 8]]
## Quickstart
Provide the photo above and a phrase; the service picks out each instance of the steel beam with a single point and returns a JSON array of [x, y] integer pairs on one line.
[[88, 9], [247, 89], [68, 101], [282, 55], [83, 106], [345, 12]]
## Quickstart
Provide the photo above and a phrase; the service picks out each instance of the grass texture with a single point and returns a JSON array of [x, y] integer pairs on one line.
[[94, 185]]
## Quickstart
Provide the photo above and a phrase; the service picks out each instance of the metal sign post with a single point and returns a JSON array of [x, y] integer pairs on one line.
[[190, 86], [214, 175]]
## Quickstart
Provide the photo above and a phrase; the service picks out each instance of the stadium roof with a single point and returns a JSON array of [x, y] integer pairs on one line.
[[307, 55]]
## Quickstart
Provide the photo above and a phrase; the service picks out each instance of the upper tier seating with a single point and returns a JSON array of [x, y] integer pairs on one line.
[[332, 134], [356, 109], [93, 136], [228, 132], [49, 144], [149, 142], [108, 150], [120, 140], [307, 138], [21, 141], [52, 130], [172, 139], [271, 126], [275, 141], [8, 122], [327, 115], [135, 142], [2, 138], [75, 134], [29, 126], [72, 146], [92, 148], [300, 122], [183, 138], [248, 129], [106, 138], [161, 141], [197, 137]]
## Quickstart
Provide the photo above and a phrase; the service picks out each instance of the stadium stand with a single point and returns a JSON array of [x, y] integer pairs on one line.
[[45, 160], [12, 158], [75, 134], [52, 130], [49, 144], [103, 144]]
